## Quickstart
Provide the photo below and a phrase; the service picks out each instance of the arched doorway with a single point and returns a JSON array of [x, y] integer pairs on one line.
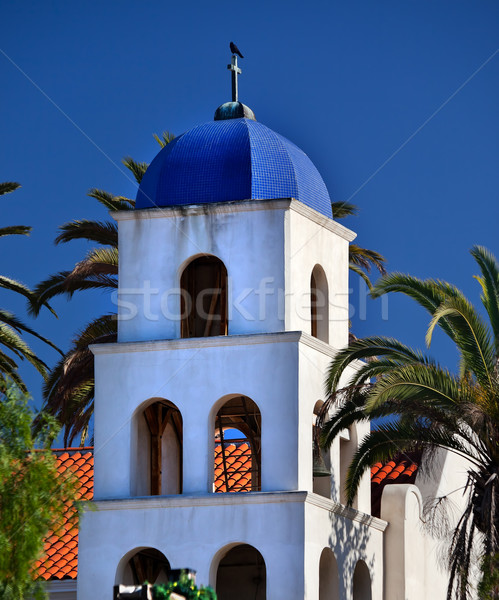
[[237, 459], [204, 298], [361, 582], [146, 564], [319, 304], [158, 454], [328, 576], [241, 575]]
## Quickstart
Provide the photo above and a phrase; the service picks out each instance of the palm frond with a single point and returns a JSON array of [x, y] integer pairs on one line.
[[15, 230], [388, 440], [367, 348], [366, 259], [428, 293], [489, 282], [12, 321], [138, 169], [416, 382], [165, 139], [344, 209], [64, 284], [105, 233], [8, 186], [13, 342], [348, 412], [8, 370], [15, 286], [111, 202], [470, 334]]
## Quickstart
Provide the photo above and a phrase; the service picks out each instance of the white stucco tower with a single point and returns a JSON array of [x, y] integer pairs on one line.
[[233, 297]]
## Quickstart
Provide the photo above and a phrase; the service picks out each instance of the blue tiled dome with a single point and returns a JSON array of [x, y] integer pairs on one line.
[[235, 159]]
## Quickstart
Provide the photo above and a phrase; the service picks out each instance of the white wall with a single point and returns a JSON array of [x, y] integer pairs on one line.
[[311, 241], [290, 530], [194, 532], [197, 375], [268, 247], [156, 245], [352, 536]]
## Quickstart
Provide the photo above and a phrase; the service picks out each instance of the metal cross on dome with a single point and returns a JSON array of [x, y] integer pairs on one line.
[[235, 71]]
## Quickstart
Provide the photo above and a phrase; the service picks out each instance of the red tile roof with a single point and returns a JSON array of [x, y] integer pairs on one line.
[[238, 464], [61, 546], [402, 469]]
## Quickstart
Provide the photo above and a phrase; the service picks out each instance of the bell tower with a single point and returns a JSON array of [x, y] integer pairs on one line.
[[233, 297]]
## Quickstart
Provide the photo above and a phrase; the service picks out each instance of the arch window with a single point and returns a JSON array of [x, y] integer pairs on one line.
[[361, 582], [147, 564], [237, 460], [204, 298], [319, 304], [328, 576], [158, 453], [242, 574]]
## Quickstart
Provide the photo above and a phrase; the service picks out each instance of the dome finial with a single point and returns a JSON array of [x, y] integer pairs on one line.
[[234, 109], [235, 70]]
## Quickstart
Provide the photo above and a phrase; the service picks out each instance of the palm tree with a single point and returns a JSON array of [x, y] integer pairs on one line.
[[69, 389], [427, 407], [11, 327], [361, 260]]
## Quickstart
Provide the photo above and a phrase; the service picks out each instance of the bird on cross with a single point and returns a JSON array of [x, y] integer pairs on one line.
[[235, 50]]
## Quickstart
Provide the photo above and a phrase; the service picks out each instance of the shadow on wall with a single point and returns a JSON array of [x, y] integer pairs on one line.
[[348, 541]]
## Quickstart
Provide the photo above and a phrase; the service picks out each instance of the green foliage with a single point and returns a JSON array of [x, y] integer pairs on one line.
[[183, 587], [32, 494], [489, 585], [427, 407]]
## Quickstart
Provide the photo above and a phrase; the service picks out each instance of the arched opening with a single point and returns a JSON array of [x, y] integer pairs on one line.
[[321, 460], [319, 304], [146, 564], [237, 460], [203, 302], [328, 576], [361, 582], [242, 574], [158, 452]]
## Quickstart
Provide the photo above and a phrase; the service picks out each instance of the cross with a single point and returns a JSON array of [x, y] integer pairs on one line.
[[235, 72]]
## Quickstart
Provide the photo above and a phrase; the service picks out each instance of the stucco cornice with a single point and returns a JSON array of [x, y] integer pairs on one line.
[[345, 511], [216, 341], [191, 210], [186, 501]]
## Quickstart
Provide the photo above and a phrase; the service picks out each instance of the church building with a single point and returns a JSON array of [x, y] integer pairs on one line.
[[233, 298]]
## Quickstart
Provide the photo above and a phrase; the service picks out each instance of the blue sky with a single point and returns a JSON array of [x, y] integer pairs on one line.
[[394, 101]]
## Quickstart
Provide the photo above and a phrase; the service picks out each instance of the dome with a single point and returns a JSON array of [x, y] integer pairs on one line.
[[231, 159], [234, 110]]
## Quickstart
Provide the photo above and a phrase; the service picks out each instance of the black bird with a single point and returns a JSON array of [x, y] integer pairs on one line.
[[235, 50]]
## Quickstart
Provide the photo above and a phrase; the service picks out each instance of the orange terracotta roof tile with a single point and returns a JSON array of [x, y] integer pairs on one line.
[[61, 547], [402, 469], [239, 465]]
